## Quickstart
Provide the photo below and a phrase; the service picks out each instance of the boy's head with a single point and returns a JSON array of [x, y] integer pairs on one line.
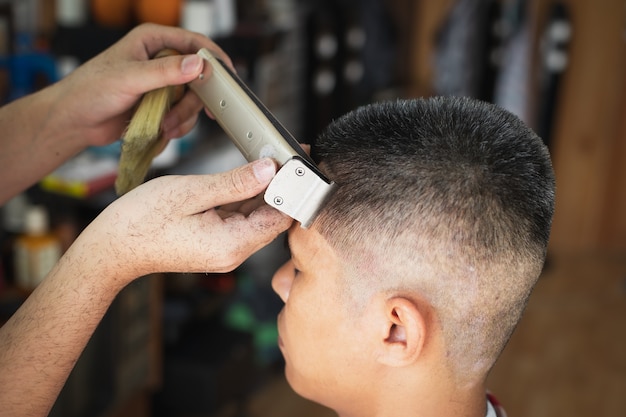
[[424, 258]]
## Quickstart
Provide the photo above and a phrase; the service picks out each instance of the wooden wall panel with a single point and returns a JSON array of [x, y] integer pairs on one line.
[[588, 149], [428, 16], [613, 228]]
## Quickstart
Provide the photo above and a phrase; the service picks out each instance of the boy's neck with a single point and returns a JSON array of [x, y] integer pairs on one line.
[[434, 399]]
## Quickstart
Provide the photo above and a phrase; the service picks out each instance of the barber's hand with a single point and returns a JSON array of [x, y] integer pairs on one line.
[[173, 224], [97, 98], [248, 206]]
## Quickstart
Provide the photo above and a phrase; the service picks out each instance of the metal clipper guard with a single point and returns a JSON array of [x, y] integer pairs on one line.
[[299, 189]]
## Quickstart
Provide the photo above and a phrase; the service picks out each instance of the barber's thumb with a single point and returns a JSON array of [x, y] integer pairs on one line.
[[169, 70], [251, 179], [191, 65], [264, 170]]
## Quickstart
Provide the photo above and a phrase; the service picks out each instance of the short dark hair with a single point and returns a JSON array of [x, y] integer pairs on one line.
[[459, 184]]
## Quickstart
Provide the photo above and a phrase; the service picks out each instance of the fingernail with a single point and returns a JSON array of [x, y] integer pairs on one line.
[[264, 169], [191, 64]]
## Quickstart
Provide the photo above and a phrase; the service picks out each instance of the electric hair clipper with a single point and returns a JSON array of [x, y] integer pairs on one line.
[[299, 189]]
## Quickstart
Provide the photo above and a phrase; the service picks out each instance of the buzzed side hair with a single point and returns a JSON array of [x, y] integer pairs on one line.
[[449, 197]]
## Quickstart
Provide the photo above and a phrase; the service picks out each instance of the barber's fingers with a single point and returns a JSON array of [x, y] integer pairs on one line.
[[241, 207], [155, 38], [149, 40], [248, 234], [182, 117]]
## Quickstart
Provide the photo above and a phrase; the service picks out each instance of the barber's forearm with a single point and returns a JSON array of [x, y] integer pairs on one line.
[[32, 141], [41, 343]]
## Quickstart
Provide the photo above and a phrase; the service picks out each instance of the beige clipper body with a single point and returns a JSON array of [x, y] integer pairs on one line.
[[299, 189]]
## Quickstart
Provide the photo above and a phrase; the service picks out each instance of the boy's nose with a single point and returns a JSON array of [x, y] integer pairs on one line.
[[281, 282]]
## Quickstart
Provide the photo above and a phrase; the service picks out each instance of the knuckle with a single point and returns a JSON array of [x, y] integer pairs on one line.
[[161, 66], [238, 182]]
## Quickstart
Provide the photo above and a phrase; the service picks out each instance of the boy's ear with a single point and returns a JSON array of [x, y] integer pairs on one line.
[[402, 335]]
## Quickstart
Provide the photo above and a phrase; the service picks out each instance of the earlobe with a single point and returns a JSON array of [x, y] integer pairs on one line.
[[405, 332]]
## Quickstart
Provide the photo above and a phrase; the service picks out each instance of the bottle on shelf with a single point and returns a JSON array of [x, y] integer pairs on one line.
[[36, 250]]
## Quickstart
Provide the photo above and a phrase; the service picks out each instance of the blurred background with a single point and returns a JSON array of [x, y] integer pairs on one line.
[[197, 345]]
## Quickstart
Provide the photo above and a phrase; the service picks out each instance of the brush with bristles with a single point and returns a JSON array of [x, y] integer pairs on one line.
[[142, 140]]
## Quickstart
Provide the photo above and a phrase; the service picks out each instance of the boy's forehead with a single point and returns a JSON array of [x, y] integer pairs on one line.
[[297, 237], [312, 253], [305, 243]]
